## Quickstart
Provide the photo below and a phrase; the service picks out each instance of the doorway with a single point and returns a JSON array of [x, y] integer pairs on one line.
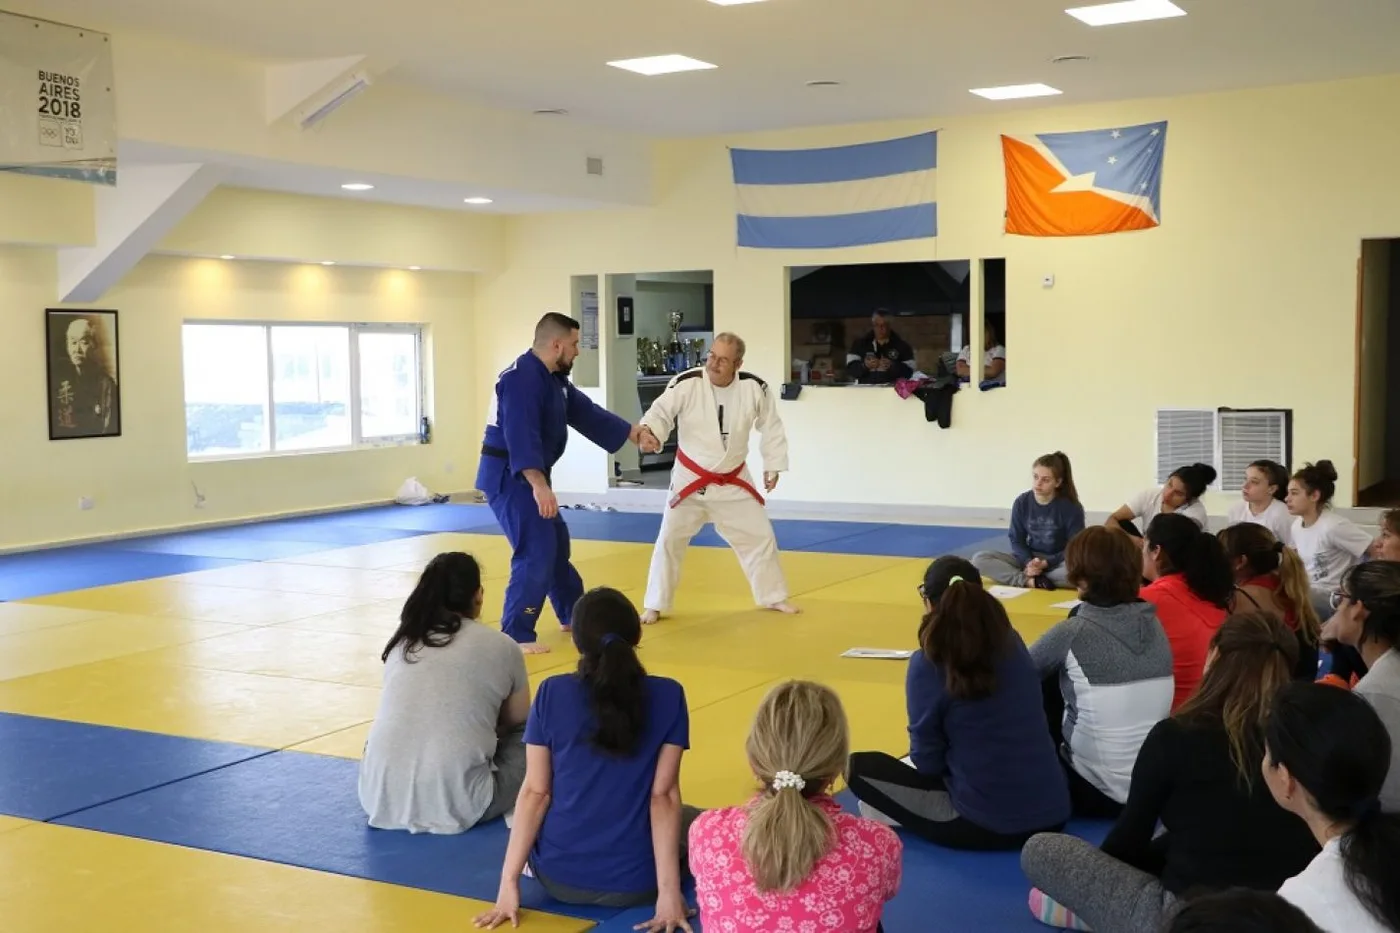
[[1377, 448]]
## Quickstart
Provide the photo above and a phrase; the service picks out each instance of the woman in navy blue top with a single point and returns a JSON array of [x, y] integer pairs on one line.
[[598, 820], [982, 772]]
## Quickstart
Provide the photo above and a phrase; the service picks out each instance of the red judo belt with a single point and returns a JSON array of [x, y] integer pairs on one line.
[[706, 477]]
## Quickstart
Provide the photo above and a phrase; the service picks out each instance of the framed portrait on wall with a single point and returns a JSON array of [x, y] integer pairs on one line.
[[84, 376]]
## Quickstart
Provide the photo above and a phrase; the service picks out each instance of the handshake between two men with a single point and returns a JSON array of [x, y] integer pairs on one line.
[[645, 440]]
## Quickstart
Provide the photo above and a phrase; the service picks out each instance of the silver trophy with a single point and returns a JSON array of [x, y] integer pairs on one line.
[[675, 351]]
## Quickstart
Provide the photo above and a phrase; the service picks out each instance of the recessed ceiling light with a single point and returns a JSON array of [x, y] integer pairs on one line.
[[1125, 11], [1016, 91], [357, 186], [661, 64], [476, 200], [226, 256], [327, 262], [414, 268]]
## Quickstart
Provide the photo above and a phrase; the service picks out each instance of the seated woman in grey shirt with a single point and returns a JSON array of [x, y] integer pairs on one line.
[[446, 749]]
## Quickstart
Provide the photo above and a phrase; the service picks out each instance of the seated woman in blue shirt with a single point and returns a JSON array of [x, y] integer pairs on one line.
[[1043, 520], [598, 820], [985, 774]]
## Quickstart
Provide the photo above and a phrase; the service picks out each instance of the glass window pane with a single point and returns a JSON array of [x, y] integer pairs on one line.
[[311, 387], [225, 389], [389, 384]]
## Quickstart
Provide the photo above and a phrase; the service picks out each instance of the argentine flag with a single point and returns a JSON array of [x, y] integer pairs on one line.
[[839, 196]]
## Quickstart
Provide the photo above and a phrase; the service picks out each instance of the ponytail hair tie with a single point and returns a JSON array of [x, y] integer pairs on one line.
[[1278, 547], [788, 779], [952, 580], [609, 638]]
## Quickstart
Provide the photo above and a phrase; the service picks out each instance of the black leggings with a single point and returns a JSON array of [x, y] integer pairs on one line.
[[921, 804]]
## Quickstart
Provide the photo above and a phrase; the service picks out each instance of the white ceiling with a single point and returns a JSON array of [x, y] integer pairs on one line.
[[896, 58]]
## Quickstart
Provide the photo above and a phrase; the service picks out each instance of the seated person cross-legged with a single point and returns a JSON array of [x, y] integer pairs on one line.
[[1198, 777], [445, 752], [1107, 670], [982, 772], [881, 357], [599, 819], [1043, 520], [790, 859]]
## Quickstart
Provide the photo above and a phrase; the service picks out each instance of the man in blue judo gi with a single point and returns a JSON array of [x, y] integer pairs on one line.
[[527, 429]]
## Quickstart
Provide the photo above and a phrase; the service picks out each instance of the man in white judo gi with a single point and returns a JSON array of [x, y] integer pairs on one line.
[[714, 408]]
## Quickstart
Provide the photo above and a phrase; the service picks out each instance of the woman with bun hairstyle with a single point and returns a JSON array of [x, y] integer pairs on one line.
[[982, 771], [1262, 499], [444, 752], [1043, 520], [599, 820], [1326, 756], [1270, 578], [1180, 495], [1191, 588], [790, 858], [1328, 544]]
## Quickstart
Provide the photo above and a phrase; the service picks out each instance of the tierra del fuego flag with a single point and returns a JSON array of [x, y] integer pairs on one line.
[[878, 192], [1085, 184]]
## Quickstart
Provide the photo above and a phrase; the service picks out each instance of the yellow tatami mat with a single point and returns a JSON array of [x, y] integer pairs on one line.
[[54, 879]]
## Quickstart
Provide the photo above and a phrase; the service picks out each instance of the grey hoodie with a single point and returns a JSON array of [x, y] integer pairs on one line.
[[1115, 670]]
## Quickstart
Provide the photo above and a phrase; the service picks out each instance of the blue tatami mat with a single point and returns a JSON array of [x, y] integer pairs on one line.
[[227, 543], [304, 810], [910, 540], [50, 768], [39, 573]]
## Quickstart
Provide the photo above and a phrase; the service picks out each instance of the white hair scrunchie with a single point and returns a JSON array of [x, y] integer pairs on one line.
[[785, 779]]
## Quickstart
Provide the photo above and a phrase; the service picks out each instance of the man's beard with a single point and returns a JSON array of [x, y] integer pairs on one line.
[[564, 368]]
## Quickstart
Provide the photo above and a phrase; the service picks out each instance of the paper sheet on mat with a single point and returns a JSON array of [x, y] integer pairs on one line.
[[1007, 592], [891, 654], [1067, 604]]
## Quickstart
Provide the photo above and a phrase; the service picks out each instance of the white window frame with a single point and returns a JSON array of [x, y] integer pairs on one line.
[[357, 440]]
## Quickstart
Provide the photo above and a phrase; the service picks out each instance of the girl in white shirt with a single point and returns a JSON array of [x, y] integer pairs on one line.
[[1265, 488], [1326, 754], [1328, 544], [1181, 493]]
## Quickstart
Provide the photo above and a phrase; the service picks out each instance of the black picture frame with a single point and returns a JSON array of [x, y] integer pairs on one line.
[[626, 319], [83, 401]]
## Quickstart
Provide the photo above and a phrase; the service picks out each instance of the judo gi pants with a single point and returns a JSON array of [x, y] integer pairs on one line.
[[540, 567], [742, 523]]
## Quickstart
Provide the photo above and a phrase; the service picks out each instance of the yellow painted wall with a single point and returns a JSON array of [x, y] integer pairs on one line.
[[142, 480], [38, 211], [1245, 296]]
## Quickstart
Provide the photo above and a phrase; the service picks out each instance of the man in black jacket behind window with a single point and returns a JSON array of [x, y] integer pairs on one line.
[[881, 356]]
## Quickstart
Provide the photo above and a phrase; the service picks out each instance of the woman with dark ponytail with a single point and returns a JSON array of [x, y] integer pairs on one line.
[[1326, 757], [982, 771], [1191, 587], [599, 819], [1180, 495], [1269, 577], [445, 750]]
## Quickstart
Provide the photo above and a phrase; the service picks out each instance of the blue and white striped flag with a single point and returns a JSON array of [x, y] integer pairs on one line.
[[839, 196]]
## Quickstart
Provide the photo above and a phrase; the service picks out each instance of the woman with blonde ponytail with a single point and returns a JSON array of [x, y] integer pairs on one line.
[[1271, 578], [791, 858]]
